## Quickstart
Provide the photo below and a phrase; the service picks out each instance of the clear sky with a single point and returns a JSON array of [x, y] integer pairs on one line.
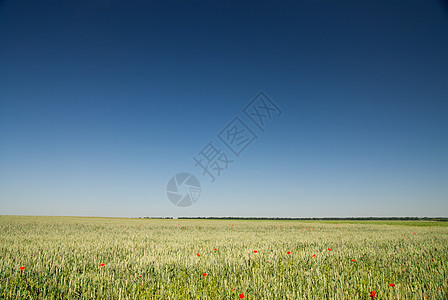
[[102, 102]]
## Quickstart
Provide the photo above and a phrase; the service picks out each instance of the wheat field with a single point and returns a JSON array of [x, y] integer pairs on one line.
[[117, 258]]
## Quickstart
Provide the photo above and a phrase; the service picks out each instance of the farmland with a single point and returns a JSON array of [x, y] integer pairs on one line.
[[86, 258]]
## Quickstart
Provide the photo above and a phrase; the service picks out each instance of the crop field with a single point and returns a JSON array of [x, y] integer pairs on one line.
[[113, 258]]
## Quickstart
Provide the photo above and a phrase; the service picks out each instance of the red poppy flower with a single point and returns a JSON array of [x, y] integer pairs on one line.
[[329, 249], [392, 284], [372, 295], [288, 252], [241, 296], [353, 260], [314, 255], [215, 249], [267, 261], [140, 275], [255, 251], [102, 265], [198, 254], [22, 268], [204, 274]]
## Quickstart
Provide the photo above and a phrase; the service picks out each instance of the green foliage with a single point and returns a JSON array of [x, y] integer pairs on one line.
[[62, 257]]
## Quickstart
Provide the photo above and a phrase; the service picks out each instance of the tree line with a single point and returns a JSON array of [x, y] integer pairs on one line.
[[439, 219]]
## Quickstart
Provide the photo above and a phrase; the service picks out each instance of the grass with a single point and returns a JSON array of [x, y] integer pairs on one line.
[[157, 259]]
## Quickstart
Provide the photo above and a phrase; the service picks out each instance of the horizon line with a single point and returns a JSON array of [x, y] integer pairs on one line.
[[441, 218]]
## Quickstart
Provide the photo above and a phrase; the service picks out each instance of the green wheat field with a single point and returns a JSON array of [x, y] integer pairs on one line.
[[116, 258]]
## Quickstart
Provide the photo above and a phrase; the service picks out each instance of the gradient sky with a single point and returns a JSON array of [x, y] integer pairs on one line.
[[102, 102]]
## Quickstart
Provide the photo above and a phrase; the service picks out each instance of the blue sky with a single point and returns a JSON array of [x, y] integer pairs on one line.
[[102, 102]]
